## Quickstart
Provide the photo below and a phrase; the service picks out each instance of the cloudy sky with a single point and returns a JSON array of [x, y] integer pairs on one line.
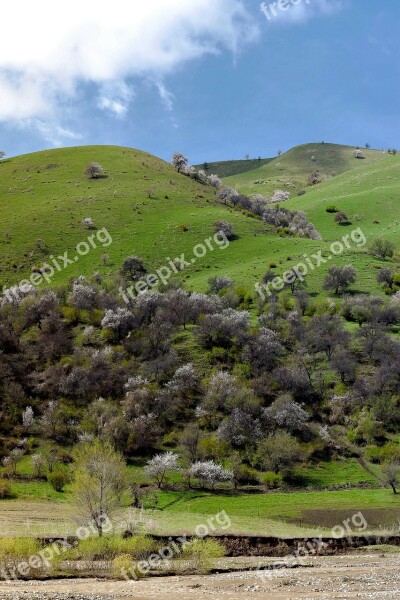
[[215, 79]]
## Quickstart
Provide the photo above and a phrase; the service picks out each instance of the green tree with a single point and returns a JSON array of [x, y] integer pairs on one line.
[[99, 483]]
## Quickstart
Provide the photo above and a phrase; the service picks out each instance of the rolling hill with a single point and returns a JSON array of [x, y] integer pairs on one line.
[[291, 170], [45, 196], [227, 168]]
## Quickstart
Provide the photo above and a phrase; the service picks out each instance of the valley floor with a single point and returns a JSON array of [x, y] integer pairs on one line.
[[322, 578]]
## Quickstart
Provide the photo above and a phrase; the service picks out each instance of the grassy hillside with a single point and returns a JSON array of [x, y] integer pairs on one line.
[[369, 195], [226, 168], [291, 170], [46, 195]]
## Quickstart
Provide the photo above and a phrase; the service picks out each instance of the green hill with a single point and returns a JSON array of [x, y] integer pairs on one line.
[[226, 168], [369, 195], [291, 170], [45, 196]]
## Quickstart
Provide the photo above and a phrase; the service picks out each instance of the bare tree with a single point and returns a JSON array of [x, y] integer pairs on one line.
[[391, 475]]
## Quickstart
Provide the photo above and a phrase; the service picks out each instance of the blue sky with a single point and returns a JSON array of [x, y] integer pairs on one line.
[[214, 79]]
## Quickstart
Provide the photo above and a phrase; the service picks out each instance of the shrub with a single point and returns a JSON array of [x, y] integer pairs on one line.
[[95, 171], [58, 480], [202, 553], [15, 551], [123, 567], [137, 547], [331, 209], [5, 489], [270, 480]]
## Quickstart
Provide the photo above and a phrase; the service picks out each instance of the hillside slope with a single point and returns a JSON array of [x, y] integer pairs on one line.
[[227, 168], [291, 170], [45, 196], [369, 195]]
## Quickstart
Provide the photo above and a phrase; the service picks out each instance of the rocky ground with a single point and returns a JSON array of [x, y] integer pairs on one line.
[[322, 578]]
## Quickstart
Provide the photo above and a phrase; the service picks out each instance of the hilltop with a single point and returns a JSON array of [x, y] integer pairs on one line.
[[291, 170]]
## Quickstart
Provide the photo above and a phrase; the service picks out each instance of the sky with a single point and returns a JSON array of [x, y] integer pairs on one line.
[[214, 79]]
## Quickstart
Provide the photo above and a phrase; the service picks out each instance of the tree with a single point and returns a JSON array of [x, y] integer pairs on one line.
[[95, 171], [325, 334], [219, 283], [179, 161], [339, 279], [368, 146], [279, 452], [226, 228], [215, 181], [28, 417], [190, 439], [280, 196], [133, 268], [210, 473], [358, 154], [286, 413], [239, 429], [342, 218], [160, 466], [382, 248], [385, 276], [2, 154], [391, 474], [99, 482]]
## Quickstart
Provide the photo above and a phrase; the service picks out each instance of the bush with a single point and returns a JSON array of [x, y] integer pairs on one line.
[[331, 209], [5, 489], [123, 566], [270, 480], [15, 551], [202, 553], [138, 547], [58, 480]]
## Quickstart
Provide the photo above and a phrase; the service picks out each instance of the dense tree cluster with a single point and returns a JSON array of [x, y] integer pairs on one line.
[[76, 365]]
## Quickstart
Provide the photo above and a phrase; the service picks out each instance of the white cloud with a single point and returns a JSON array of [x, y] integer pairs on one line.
[[50, 50], [167, 97], [53, 132], [116, 97]]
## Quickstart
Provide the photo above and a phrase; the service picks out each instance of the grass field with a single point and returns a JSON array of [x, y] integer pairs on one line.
[[277, 514]]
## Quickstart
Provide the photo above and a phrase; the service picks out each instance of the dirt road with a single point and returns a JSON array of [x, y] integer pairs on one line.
[[341, 577]]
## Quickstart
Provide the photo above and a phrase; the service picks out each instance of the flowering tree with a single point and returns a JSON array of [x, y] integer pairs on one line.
[[94, 171], [179, 161], [286, 413], [88, 223], [28, 418], [215, 181], [209, 473], [160, 466]]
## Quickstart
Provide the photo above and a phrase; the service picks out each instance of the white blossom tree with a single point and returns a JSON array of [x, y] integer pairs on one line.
[[209, 473], [28, 417], [179, 161], [160, 466]]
